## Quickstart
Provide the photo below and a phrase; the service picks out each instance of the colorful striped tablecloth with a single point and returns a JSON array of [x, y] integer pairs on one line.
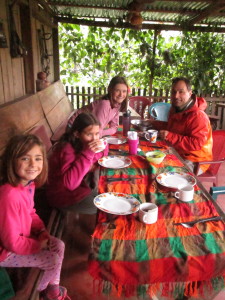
[[133, 259]]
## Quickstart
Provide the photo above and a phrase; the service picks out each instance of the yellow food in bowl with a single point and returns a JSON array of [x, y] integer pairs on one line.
[[155, 157]]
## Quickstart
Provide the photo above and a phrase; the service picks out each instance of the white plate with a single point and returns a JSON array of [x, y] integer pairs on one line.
[[117, 203], [114, 161], [116, 141], [175, 180]]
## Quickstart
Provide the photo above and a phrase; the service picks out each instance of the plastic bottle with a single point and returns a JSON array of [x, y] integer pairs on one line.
[[126, 122]]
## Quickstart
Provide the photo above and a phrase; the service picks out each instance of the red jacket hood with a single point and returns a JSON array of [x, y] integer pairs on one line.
[[201, 103]]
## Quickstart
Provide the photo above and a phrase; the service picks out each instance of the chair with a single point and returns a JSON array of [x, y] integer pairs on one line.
[[215, 191], [211, 175], [139, 103], [160, 111]]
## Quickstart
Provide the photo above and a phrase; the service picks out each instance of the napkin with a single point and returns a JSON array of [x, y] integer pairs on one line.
[[132, 135]]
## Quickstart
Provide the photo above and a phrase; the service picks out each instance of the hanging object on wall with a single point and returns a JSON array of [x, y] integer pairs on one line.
[[42, 82], [3, 41], [17, 48], [45, 56]]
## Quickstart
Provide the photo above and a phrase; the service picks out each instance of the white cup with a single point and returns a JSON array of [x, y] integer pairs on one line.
[[151, 135], [185, 193], [148, 213], [102, 145]]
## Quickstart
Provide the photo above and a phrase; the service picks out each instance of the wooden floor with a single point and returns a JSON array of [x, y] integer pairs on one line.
[[77, 236]]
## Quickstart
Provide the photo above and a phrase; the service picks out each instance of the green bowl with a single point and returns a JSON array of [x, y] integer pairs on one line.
[[155, 157]]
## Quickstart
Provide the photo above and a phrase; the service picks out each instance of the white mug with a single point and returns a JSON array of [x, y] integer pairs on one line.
[[148, 213], [151, 135], [102, 145], [185, 193]]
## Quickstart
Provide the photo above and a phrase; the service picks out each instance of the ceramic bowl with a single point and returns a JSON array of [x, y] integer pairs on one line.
[[141, 125], [155, 157]]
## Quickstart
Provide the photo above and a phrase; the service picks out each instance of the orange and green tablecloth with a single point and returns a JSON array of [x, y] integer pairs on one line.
[[135, 259]]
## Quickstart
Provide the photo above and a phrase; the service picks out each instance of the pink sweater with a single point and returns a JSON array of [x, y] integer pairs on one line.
[[106, 115], [18, 220], [67, 170]]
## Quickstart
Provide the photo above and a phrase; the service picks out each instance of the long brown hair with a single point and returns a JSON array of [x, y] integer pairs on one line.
[[18, 146], [82, 121], [114, 81]]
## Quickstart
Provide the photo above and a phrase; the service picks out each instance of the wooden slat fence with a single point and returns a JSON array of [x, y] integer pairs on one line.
[[80, 96]]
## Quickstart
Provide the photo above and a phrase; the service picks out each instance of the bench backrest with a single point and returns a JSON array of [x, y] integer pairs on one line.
[[48, 108]]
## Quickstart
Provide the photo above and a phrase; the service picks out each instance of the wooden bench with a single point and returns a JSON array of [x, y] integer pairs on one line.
[[49, 107], [40, 114]]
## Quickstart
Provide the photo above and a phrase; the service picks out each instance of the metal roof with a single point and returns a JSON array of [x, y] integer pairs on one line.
[[202, 15]]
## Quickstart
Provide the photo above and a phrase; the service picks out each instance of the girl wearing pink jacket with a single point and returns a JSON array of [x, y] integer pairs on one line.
[[71, 184], [24, 240], [107, 109]]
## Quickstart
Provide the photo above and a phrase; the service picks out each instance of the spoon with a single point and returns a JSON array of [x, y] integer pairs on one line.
[[192, 223]]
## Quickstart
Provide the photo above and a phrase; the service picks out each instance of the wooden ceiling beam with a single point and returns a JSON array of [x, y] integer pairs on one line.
[[209, 11], [144, 26], [145, 22]]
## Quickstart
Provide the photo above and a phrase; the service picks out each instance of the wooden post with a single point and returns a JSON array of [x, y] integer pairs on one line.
[[72, 96], [78, 97], [152, 73], [89, 93], [83, 95]]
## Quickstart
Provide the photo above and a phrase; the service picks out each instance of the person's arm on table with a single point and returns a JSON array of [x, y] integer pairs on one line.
[[196, 135]]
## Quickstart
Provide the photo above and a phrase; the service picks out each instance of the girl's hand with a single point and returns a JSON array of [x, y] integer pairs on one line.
[[44, 244], [96, 145], [44, 235]]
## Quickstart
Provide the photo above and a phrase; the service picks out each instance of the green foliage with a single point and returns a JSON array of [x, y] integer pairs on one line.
[[94, 55]]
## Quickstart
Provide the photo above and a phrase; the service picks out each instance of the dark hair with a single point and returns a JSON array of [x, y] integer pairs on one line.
[[186, 81], [18, 146], [82, 121], [114, 81]]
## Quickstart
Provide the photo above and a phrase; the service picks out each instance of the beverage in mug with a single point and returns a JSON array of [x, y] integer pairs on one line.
[[185, 193], [151, 135], [103, 144], [148, 213]]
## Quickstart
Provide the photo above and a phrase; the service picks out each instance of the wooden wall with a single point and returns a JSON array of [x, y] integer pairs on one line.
[[18, 75]]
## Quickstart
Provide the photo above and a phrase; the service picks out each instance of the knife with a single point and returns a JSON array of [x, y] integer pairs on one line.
[[122, 179]]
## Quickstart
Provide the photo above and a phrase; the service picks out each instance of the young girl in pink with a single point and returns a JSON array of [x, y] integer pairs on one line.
[[71, 183], [24, 240], [107, 109]]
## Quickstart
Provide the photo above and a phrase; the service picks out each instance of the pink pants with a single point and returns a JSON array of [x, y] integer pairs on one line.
[[50, 261]]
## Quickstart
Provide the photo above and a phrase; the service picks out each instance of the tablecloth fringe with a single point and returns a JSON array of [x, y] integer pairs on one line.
[[171, 290]]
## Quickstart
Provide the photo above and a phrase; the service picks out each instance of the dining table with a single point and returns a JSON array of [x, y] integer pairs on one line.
[[132, 259]]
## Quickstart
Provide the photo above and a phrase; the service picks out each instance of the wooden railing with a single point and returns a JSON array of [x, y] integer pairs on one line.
[[80, 96]]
